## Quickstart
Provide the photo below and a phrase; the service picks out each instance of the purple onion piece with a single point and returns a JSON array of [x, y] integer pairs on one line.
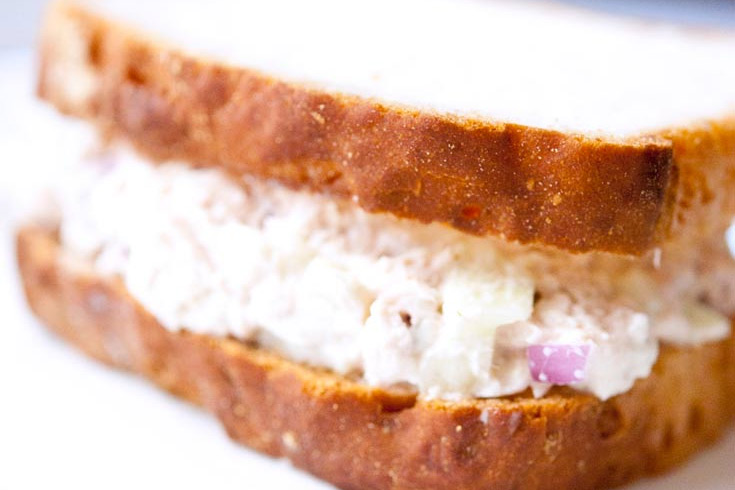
[[558, 364]]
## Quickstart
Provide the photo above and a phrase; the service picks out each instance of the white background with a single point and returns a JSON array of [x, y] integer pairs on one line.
[[66, 422], [19, 18]]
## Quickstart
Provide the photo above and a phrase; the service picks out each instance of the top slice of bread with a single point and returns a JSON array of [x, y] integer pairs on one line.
[[536, 123]]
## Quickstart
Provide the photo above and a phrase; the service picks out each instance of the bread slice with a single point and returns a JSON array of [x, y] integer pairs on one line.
[[608, 135], [361, 438]]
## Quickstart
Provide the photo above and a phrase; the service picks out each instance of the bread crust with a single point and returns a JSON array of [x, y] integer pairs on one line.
[[361, 438], [483, 177]]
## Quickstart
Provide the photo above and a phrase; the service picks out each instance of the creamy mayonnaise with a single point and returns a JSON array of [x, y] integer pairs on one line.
[[394, 301]]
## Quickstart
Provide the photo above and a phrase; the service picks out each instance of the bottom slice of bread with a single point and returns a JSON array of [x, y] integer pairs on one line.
[[358, 437]]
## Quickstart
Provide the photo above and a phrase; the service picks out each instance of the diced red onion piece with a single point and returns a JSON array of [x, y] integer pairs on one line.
[[560, 364]]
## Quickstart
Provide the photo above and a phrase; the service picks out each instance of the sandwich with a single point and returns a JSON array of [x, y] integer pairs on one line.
[[446, 244]]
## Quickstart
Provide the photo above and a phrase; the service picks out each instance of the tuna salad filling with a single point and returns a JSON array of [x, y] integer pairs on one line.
[[394, 302]]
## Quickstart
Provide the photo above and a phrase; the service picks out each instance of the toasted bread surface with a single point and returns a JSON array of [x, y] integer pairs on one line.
[[572, 191], [359, 437]]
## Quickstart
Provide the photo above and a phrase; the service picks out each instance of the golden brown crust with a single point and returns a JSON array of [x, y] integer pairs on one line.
[[704, 201], [521, 183], [361, 438]]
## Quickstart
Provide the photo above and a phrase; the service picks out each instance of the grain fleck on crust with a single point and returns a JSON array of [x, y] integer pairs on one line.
[[361, 438]]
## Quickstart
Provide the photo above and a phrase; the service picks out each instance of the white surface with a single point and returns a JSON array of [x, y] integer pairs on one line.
[[19, 21], [19, 18], [520, 62], [66, 422], [730, 238]]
